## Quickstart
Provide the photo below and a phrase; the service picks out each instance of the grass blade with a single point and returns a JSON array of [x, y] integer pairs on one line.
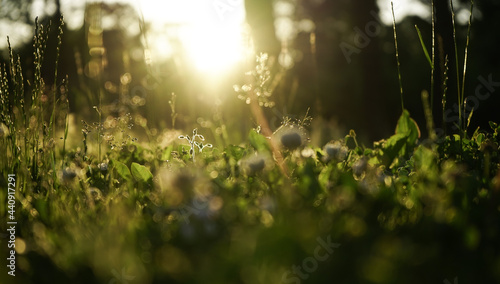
[[433, 28], [429, 120], [424, 48], [465, 56], [460, 101], [397, 55]]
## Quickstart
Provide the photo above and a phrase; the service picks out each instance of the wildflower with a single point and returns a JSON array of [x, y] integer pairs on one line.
[[335, 151], [192, 142], [290, 136], [103, 167], [254, 164]]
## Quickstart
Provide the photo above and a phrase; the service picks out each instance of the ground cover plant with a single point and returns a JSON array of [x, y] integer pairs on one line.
[[411, 208]]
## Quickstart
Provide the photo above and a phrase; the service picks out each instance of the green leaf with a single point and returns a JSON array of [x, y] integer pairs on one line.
[[324, 176], [480, 138], [425, 160], [42, 207], [258, 141], [141, 173], [393, 146], [235, 152], [408, 126], [167, 153], [121, 170]]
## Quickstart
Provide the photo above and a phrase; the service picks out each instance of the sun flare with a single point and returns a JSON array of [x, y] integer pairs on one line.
[[212, 49], [210, 34]]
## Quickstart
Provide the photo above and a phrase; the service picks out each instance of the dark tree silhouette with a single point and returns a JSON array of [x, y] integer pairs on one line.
[[259, 15], [444, 48]]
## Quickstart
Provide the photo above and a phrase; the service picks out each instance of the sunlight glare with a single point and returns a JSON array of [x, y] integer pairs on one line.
[[214, 49], [210, 32]]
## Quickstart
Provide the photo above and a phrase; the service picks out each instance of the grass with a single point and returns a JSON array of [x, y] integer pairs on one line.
[[404, 209]]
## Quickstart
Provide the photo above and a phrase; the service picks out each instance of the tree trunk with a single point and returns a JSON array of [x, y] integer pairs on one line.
[[259, 15], [444, 47]]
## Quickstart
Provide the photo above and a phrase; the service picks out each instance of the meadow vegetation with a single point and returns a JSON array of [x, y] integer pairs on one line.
[[411, 208]]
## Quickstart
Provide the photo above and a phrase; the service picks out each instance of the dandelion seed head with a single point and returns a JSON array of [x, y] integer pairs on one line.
[[335, 151], [359, 168], [254, 164], [290, 136], [68, 174]]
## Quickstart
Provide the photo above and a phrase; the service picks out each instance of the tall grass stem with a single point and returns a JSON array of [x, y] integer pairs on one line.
[[462, 96], [459, 97], [433, 50], [397, 56]]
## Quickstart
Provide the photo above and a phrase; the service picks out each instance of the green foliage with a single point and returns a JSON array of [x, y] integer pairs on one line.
[[147, 213], [121, 169], [424, 48], [141, 173], [258, 141]]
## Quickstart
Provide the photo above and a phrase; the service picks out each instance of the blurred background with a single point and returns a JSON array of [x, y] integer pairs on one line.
[[335, 57]]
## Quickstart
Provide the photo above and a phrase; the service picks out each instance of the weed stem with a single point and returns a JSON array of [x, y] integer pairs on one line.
[[397, 56]]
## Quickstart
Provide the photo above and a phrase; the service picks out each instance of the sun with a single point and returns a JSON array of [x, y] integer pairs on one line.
[[214, 49], [210, 33]]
